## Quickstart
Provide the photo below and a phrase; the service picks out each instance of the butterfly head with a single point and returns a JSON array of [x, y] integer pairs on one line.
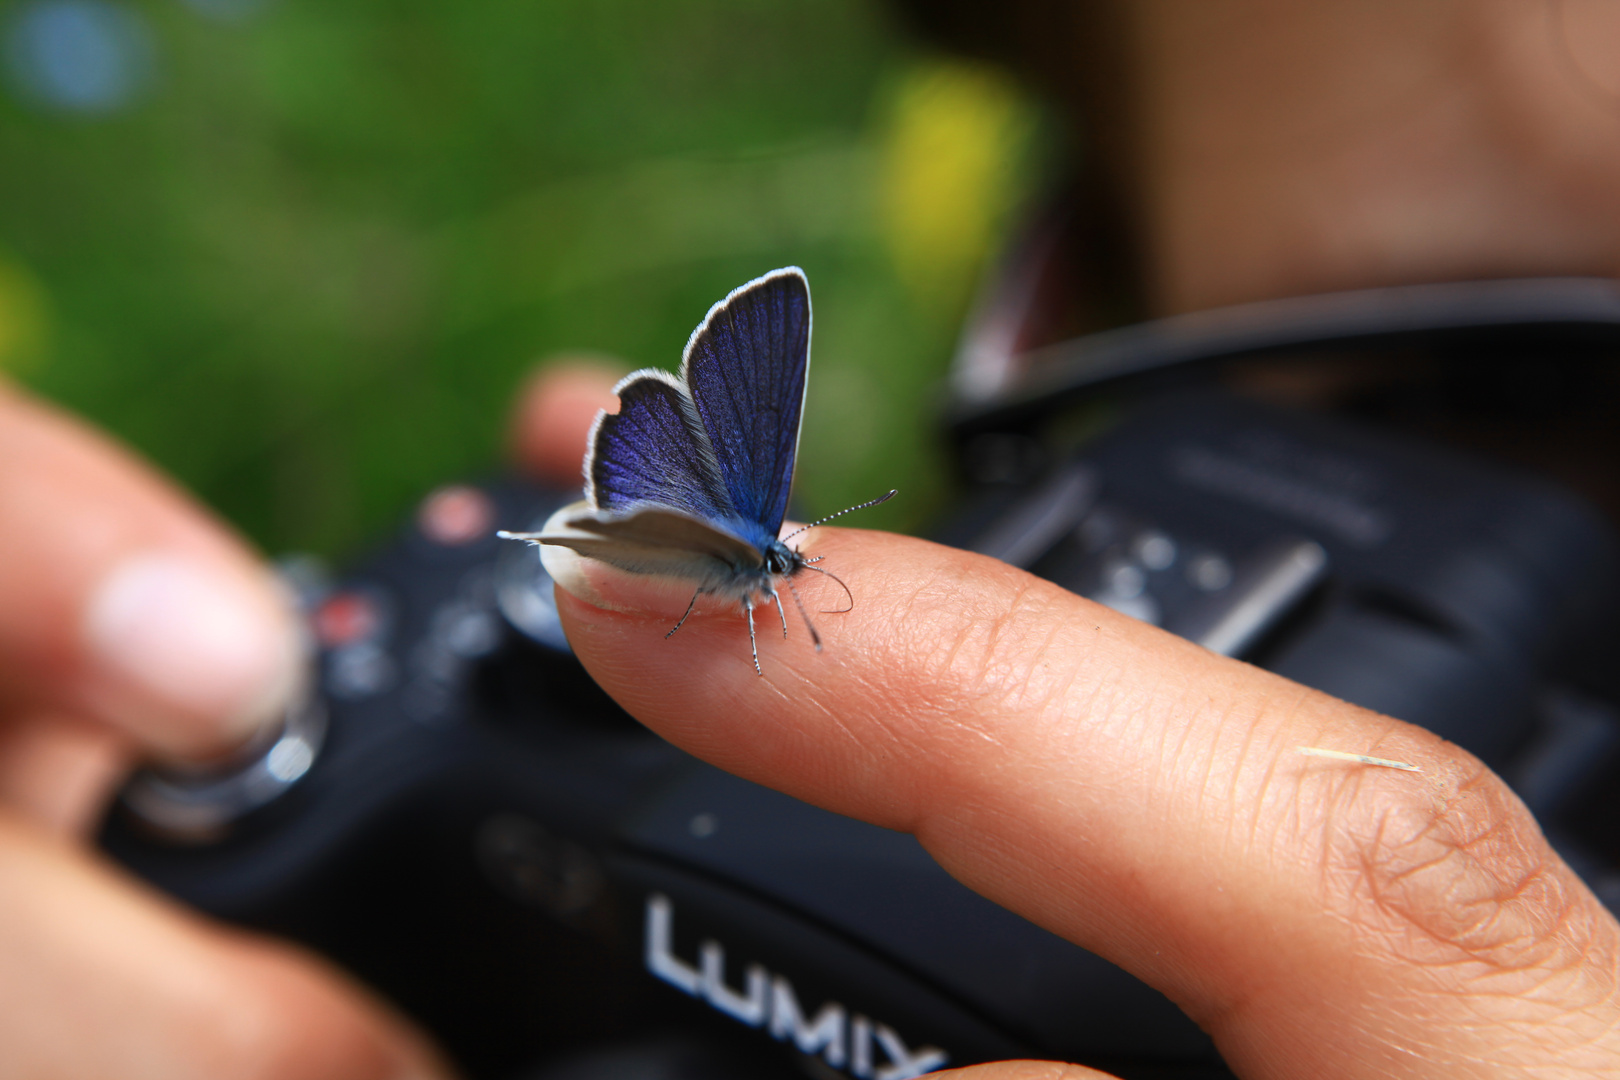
[[781, 560]]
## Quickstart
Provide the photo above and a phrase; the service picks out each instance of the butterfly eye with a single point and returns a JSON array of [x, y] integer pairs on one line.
[[778, 560]]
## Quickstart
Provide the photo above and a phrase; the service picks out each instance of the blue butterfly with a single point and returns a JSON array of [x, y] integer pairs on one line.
[[690, 478]]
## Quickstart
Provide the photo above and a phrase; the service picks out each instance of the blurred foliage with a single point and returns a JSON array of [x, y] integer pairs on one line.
[[304, 266]]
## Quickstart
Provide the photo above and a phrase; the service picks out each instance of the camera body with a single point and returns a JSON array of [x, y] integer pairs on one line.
[[463, 819]]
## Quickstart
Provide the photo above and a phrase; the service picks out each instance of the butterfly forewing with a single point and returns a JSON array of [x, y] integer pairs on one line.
[[746, 368], [654, 451]]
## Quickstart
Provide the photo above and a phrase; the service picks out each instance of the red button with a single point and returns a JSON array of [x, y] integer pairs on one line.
[[345, 618]]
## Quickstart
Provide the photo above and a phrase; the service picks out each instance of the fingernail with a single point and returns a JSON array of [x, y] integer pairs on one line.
[[572, 572], [192, 654], [604, 586]]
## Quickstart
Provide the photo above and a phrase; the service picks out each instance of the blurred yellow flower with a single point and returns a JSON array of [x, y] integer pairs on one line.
[[23, 321], [953, 166]]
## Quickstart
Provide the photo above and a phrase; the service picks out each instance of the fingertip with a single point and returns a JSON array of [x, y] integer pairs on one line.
[[189, 651], [552, 418]]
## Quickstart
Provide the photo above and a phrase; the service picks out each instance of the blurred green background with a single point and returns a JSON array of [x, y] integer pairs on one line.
[[301, 253]]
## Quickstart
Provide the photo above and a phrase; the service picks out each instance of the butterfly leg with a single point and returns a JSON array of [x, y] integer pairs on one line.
[[815, 637], [690, 605], [753, 646], [780, 612]]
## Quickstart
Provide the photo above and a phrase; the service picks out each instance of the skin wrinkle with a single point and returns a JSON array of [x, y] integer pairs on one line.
[[975, 656], [1247, 820], [836, 722], [1029, 689], [972, 656], [1258, 817], [1232, 796], [1458, 832], [883, 700], [923, 650], [1180, 759], [1490, 938], [1066, 714], [1005, 644], [1060, 698], [1100, 708], [1299, 779], [1282, 748], [983, 635]]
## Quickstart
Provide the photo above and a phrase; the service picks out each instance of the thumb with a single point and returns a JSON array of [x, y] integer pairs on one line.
[[124, 603], [1022, 1070]]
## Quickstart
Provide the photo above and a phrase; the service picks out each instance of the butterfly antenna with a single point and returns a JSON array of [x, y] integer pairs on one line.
[[780, 612], [841, 513], [808, 625], [753, 646], [692, 604], [841, 585]]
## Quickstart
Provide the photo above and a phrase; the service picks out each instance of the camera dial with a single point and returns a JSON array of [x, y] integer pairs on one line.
[[196, 803]]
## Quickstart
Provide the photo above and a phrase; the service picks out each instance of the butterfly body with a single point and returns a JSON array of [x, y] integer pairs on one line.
[[690, 478]]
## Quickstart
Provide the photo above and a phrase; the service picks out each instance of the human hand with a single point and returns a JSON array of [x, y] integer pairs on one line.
[[1140, 796], [132, 626]]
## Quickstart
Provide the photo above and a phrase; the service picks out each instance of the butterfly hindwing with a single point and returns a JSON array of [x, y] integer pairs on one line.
[[655, 540], [746, 367], [653, 451]]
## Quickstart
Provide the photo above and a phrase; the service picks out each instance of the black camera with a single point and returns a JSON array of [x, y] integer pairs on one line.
[[463, 819]]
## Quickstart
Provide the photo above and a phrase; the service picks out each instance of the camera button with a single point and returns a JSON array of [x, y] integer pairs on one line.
[[346, 618], [1154, 550], [1211, 573]]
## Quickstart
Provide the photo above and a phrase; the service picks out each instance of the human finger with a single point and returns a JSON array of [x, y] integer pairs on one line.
[[1146, 799], [555, 409], [99, 978], [58, 771], [121, 601]]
